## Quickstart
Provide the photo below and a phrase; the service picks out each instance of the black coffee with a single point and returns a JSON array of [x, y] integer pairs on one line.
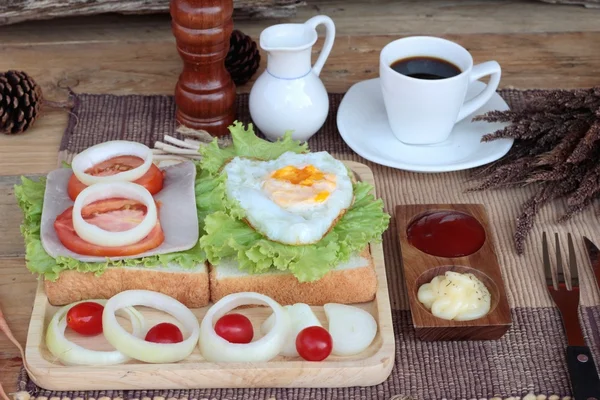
[[425, 68]]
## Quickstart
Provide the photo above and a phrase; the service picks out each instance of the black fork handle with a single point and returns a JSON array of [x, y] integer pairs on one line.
[[582, 371]]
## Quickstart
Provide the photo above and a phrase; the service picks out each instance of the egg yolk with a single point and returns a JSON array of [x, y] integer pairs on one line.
[[292, 186], [306, 176]]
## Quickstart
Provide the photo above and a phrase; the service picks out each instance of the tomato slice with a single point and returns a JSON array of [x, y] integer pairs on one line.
[[114, 165], [152, 180], [114, 215]]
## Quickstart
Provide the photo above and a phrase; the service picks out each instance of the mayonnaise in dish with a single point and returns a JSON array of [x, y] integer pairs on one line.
[[456, 296]]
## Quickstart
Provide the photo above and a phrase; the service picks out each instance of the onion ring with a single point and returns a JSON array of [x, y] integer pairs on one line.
[[96, 235], [107, 150], [70, 353], [216, 349], [138, 348]]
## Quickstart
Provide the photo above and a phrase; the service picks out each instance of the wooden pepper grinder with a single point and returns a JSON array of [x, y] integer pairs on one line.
[[205, 93]]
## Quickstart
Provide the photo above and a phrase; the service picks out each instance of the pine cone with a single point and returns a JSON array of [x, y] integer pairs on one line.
[[243, 58], [20, 102]]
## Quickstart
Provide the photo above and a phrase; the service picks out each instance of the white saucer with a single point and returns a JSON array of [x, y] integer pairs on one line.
[[363, 124]]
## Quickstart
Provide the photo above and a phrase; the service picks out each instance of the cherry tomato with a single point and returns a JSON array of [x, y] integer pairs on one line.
[[164, 332], [235, 328], [113, 215], [151, 180], [86, 318], [314, 343]]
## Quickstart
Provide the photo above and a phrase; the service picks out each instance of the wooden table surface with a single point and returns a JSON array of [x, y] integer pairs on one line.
[[538, 45]]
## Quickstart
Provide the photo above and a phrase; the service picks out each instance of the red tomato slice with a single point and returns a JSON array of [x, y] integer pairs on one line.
[[111, 214], [152, 180], [314, 343], [115, 165], [86, 318], [235, 328]]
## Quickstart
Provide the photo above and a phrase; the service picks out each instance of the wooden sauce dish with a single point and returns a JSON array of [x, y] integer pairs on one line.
[[421, 267]]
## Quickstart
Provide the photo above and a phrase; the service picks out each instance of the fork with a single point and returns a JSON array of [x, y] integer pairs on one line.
[[582, 370]]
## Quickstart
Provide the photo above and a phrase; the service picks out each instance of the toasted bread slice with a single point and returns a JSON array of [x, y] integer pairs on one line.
[[189, 286], [354, 281]]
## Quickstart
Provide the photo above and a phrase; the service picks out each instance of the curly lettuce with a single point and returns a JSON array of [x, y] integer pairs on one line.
[[227, 235], [247, 144], [30, 198]]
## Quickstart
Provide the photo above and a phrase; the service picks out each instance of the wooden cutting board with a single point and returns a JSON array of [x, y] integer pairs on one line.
[[370, 367]]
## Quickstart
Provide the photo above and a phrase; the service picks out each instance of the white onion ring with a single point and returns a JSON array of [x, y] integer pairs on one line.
[[216, 349], [96, 235], [70, 353], [138, 348], [107, 150]]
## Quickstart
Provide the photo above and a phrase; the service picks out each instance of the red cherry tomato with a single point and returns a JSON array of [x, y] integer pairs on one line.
[[86, 318], [164, 332], [314, 343], [235, 328]]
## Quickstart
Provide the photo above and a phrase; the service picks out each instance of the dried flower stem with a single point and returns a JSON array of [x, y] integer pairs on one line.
[[557, 145]]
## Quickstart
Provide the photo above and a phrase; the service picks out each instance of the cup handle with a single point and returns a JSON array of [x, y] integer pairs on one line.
[[329, 38], [491, 68]]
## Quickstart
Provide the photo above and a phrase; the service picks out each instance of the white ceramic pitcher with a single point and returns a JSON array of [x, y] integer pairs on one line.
[[289, 94]]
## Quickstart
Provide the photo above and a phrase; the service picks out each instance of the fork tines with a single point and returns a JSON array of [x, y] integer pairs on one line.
[[555, 281]]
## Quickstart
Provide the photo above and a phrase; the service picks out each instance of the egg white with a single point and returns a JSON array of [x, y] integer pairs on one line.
[[295, 224]]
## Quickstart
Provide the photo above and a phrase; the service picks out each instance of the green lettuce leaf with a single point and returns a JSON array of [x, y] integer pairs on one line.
[[211, 196], [364, 222], [247, 144], [227, 235], [30, 197]]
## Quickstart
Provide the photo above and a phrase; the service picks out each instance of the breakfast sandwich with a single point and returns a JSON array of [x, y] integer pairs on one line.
[[285, 222], [114, 221]]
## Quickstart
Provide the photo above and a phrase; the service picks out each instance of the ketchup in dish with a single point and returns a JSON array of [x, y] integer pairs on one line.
[[446, 234]]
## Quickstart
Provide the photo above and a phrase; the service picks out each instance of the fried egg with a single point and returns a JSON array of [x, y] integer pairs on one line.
[[294, 199]]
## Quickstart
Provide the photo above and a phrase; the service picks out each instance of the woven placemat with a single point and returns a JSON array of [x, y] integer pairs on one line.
[[528, 361]]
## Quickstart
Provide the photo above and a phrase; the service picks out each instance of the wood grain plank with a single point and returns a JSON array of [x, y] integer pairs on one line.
[[17, 290], [434, 17], [11, 241], [28, 10], [118, 54], [384, 17], [35, 150], [528, 60]]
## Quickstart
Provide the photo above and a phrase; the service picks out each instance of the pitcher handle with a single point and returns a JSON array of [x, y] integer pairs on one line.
[[329, 38]]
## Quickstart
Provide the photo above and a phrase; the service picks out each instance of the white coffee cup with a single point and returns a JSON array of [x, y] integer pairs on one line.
[[422, 111]]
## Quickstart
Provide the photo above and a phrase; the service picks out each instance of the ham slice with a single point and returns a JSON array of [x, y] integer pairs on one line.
[[177, 213]]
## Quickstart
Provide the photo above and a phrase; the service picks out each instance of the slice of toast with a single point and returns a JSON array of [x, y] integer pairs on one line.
[[354, 281], [189, 286]]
